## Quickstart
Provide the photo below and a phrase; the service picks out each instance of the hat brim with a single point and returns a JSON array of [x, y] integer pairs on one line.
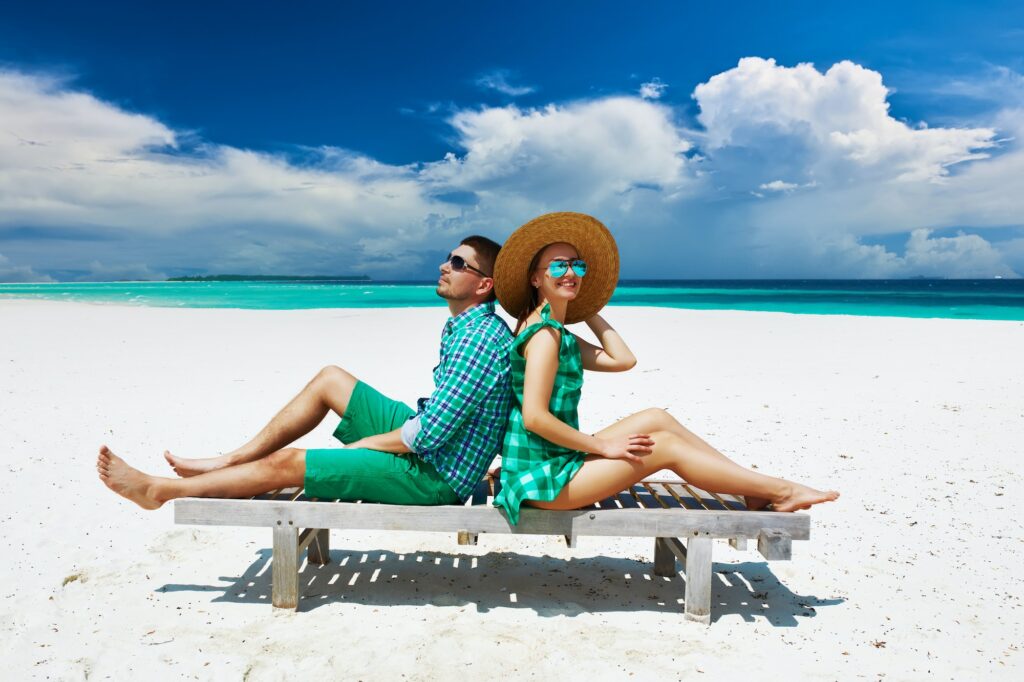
[[592, 241]]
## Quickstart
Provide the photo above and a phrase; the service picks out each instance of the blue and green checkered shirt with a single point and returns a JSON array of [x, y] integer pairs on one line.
[[462, 423]]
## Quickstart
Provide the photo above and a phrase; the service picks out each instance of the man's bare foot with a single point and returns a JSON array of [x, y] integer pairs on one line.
[[185, 467], [802, 497], [126, 481]]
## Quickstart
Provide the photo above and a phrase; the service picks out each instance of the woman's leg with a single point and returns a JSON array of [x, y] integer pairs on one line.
[[601, 477], [330, 389], [282, 469], [657, 419]]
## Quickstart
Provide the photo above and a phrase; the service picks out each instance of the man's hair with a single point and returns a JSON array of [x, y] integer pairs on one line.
[[486, 254]]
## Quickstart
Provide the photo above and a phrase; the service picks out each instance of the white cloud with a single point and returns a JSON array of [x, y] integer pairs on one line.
[[839, 119], [997, 84], [499, 80], [653, 89], [962, 256], [10, 272], [69, 159], [585, 153], [778, 186], [838, 166]]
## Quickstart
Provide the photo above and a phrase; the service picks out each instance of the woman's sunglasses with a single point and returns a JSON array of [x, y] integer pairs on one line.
[[558, 268], [459, 264]]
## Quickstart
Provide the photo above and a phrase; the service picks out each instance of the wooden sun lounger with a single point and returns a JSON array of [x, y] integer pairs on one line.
[[682, 519]]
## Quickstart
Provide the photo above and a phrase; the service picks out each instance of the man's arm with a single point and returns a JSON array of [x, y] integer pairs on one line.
[[385, 442], [472, 372]]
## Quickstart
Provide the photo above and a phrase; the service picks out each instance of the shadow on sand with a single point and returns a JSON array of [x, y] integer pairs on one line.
[[549, 586]]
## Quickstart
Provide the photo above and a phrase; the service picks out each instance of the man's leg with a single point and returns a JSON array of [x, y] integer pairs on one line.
[[281, 469], [330, 389]]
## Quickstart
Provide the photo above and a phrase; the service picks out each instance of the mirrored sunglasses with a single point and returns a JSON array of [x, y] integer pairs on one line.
[[558, 268]]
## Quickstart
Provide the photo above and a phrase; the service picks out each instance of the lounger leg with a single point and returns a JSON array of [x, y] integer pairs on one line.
[[698, 580], [285, 567], [664, 559], [320, 547]]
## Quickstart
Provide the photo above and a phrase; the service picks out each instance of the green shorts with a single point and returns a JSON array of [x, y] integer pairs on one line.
[[371, 475]]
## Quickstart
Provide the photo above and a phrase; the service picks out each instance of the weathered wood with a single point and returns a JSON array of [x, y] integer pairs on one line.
[[677, 548], [664, 559], [654, 493], [738, 543], [305, 537], [696, 496], [467, 538], [775, 544], [698, 579], [320, 547], [673, 490], [453, 518], [285, 567]]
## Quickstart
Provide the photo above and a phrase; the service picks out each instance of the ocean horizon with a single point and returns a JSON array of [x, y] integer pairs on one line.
[[988, 299]]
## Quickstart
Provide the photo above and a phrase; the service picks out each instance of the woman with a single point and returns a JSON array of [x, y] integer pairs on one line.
[[558, 269]]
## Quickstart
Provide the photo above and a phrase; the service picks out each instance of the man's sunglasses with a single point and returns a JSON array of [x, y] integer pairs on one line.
[[459, 264], [558, 268]]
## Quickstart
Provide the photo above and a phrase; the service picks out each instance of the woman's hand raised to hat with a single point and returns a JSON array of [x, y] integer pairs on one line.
[[628, 448], [613, 355]]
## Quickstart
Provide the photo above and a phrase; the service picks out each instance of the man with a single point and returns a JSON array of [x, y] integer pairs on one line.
[[433, 455]]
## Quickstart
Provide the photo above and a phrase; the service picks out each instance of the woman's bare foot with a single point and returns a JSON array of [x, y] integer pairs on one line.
[[126, 481], [756, 503], [802, 497], [185, 467]]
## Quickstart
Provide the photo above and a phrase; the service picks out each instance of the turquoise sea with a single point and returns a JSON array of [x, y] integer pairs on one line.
[[967, 299]]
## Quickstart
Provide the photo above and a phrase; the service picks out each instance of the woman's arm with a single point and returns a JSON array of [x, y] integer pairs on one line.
[[613, 355], [541, 353]]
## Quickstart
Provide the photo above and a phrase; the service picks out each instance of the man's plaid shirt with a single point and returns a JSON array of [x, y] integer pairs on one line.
[[462, 424]]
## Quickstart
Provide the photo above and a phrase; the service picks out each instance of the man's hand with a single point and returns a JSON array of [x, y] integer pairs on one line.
[[384, 442]]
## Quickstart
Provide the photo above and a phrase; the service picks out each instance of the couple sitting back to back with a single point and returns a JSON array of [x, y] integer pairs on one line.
[[493, 391]]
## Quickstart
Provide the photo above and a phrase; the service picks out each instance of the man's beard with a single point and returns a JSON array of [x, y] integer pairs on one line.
[[445, 292]]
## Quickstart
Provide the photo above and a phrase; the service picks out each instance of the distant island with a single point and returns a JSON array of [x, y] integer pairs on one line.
[[272, 278]]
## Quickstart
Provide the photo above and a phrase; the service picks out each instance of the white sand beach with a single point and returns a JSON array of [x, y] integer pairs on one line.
[[914, 574]]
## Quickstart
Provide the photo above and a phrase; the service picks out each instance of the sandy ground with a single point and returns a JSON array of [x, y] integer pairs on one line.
[[914, 574]]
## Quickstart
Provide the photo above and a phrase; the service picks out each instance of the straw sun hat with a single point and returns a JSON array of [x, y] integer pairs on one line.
[[593, 242]]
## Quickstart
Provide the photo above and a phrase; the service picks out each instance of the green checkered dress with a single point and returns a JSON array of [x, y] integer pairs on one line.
[[533, 468]]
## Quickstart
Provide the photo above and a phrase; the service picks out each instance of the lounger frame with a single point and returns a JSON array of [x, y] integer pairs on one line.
[[682, 520]]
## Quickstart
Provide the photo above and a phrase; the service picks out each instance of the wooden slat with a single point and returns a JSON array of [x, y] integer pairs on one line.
[[673, 490], [627, 498], [666, 496], [642, 498], [726, 503], [657, 499], [633, 522], [708, 499], [695, 496]]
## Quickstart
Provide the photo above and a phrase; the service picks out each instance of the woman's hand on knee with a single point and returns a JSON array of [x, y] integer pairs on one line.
[[628, 447]]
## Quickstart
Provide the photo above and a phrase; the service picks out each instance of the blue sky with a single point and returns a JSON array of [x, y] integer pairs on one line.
[[792, 140]]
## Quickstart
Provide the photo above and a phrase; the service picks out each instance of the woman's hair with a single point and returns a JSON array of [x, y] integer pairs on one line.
[[534, 299]]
